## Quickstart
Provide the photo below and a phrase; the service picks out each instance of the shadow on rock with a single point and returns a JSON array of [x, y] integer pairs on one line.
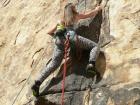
[[76, 77], [101, 64]]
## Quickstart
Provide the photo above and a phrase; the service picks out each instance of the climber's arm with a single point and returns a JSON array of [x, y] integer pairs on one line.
[[51, 31], [93, 13]]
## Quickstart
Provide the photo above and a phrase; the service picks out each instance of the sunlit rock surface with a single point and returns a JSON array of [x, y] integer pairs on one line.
[[25, 48]]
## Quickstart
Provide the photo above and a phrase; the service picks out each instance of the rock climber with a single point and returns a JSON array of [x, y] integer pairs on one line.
[[65, 27]]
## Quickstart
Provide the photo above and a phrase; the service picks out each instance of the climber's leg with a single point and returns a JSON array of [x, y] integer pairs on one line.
[[53, 65], [85, 43]]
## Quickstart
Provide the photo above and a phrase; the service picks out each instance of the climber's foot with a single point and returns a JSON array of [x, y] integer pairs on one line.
[[90, 69], [35, 88]]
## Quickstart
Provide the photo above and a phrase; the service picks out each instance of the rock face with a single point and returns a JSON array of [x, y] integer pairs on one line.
[[25, 48]]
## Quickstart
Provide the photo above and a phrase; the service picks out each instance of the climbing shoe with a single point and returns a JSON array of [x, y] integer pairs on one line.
[[35, 88], [90, 69]]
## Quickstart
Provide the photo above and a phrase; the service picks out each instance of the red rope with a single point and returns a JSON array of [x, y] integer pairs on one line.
[[67, 43]]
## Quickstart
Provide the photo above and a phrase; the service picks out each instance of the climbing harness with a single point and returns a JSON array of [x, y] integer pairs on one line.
[[71, 34], [67, 45]]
